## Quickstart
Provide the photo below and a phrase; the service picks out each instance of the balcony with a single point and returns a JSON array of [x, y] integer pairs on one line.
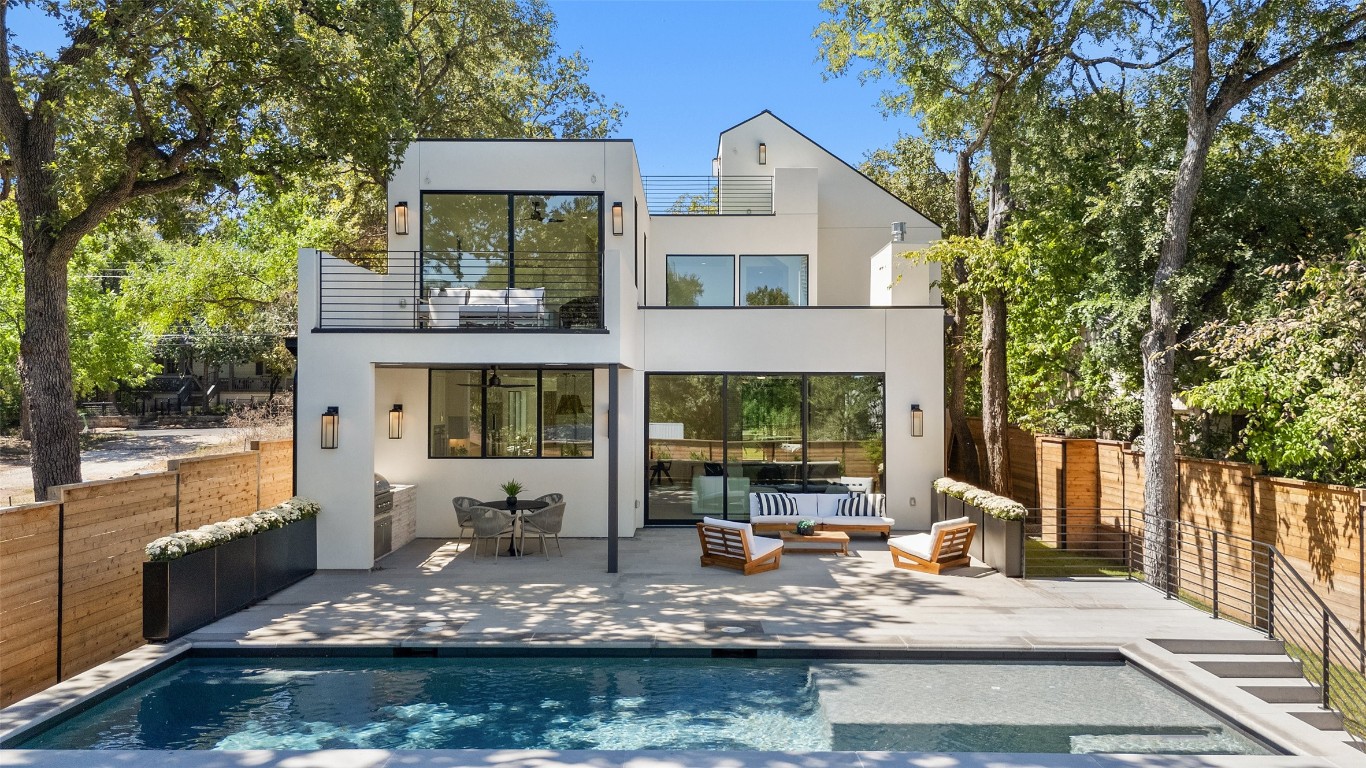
[[536, 291], [708, 195]]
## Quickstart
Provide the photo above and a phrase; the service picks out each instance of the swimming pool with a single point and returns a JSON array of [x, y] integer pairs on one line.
[[646, 704]]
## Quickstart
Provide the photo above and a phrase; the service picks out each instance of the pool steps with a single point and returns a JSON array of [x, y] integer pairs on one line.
[[1262, 668]]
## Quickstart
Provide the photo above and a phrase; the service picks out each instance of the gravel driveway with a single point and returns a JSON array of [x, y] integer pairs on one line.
[[139, 450]]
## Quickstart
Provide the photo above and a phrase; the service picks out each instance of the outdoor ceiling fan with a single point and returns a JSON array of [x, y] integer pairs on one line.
[[496, 382]]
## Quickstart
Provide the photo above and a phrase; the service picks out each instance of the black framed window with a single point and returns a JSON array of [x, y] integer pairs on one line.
[[713, 439], [510, 413], [699, 281]]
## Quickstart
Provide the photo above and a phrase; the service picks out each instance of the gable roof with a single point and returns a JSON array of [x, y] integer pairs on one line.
[[842, 161]]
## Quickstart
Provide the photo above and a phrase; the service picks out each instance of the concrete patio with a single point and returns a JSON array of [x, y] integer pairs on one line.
[[434, 596]]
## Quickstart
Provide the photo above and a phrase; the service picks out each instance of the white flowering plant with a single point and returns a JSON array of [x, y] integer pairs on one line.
[[997, 506], [206, 536]]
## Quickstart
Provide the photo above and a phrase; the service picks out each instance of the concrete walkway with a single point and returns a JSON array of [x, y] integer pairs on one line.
[[435, 594]]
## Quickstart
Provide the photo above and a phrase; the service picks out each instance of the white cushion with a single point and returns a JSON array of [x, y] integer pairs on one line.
[[762, 545], [746, 531], [807, 503], [918, 544], [525, 296], [827, 504], [487, 296], [780, 519], [860, 484], [942, 524]]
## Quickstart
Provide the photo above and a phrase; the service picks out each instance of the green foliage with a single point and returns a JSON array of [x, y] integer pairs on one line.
[[1297, 371], [768, 296], [910, 170]]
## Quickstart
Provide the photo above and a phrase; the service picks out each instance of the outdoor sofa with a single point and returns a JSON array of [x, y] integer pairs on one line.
[[847, 512], [449, 307]]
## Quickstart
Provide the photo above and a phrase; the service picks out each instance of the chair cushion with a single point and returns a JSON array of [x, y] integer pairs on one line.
[[525, 296], [827, 504], [942, 524], [861, 505], [487, 296], [762, 545], [745, 529], [772, 504], [918, 544]]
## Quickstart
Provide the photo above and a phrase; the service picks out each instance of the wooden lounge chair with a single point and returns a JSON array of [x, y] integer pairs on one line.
[[944, 547], [734, 545]]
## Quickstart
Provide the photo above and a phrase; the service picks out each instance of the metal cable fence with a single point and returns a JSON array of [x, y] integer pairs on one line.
[[1229, 576]]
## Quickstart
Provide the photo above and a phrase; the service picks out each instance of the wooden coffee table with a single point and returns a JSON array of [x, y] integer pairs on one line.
[[820, 543]]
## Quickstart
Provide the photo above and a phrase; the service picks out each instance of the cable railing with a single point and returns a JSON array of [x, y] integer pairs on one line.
[[460, 290], [708, 195], [1227, 575]]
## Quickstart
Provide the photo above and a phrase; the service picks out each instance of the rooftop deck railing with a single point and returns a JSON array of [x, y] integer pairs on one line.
[[709, 195], [460, 290], [1229, 576]]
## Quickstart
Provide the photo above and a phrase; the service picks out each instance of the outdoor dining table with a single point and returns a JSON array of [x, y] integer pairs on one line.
[[523, 505]]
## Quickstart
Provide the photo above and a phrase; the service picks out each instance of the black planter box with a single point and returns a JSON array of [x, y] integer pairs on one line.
[[235, 576], [182, 595], [998, 543], [178, 595]]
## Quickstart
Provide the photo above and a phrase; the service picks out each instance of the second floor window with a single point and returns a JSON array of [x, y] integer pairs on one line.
[[714, 281]]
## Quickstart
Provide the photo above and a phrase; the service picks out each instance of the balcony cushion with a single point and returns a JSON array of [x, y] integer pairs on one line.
[[526, 297], [775, 504], [861, 505], [487, 297], [451, 295]]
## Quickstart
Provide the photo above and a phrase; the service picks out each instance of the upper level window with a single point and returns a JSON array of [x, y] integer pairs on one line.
[[512, 260], [767, 281], [699, 281], [712, 281], [513, 413]]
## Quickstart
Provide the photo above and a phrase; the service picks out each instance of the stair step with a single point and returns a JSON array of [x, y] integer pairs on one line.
[[1322, 719], [1252, 668], [1240, 647], [1285, 694]]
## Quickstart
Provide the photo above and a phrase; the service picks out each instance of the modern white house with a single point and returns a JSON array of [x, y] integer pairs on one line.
[[655, 349]]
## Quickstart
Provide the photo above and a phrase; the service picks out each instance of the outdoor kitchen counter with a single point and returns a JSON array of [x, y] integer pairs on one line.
[[405, 514]]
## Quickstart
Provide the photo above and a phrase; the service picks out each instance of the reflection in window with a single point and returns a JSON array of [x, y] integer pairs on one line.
[[518, 413], [567, 413], [685, 458], [699, 281], [767, 281]]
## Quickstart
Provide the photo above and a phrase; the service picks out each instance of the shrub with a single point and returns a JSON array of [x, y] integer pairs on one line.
[[206, 536], [997, 506]]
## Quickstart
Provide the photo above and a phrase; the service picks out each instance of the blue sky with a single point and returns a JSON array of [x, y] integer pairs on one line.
[[687, 69]]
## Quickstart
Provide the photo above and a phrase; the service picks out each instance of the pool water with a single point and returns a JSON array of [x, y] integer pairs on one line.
[[646, 704]]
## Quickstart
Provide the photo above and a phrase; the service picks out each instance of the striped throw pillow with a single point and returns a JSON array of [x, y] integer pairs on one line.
[[775, 504], [861, 505]]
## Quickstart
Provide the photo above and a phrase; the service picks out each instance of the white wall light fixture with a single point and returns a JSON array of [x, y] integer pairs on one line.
[[917, 421], [396, 422], [331, 417], [618, 219], [763, 153], [401, 218]]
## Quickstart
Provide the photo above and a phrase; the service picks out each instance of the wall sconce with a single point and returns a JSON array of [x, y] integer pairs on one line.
[[763, 153], [618, 219], [917, 421], [401, 219], [898, 231], [330, 418], [396, 421]]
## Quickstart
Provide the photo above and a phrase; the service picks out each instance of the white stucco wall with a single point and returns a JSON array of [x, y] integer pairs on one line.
[[855, 214]]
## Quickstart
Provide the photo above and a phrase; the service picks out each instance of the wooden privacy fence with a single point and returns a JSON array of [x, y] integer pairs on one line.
[[71, 569], [1078, 484]]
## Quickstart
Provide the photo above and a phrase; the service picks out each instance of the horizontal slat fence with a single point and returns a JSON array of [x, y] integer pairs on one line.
[[71, 569], [1317, 527]]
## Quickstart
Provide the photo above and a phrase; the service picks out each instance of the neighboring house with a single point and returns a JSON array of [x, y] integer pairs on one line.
[[655, 349]]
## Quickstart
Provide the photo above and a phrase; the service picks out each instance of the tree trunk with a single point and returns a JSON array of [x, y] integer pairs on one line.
[[45, 370], [995, 392], [1159, 430], [25, 428], [45, 344], [964, 447]]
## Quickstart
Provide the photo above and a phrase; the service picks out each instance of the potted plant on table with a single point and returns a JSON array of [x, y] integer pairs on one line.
[[806, 527], [512, 488]]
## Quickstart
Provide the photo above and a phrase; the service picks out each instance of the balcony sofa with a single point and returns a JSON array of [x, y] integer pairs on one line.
[[449, 307], [864, 512]]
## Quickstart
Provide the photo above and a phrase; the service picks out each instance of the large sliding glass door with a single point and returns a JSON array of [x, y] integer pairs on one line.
[[715, 438]]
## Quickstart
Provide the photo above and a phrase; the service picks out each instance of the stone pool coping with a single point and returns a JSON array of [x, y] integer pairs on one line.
[[1305, 746]]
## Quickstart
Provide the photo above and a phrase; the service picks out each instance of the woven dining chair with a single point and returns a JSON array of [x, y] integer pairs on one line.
[[463, 517], [490, 523], [551, 498], [544, 522]]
